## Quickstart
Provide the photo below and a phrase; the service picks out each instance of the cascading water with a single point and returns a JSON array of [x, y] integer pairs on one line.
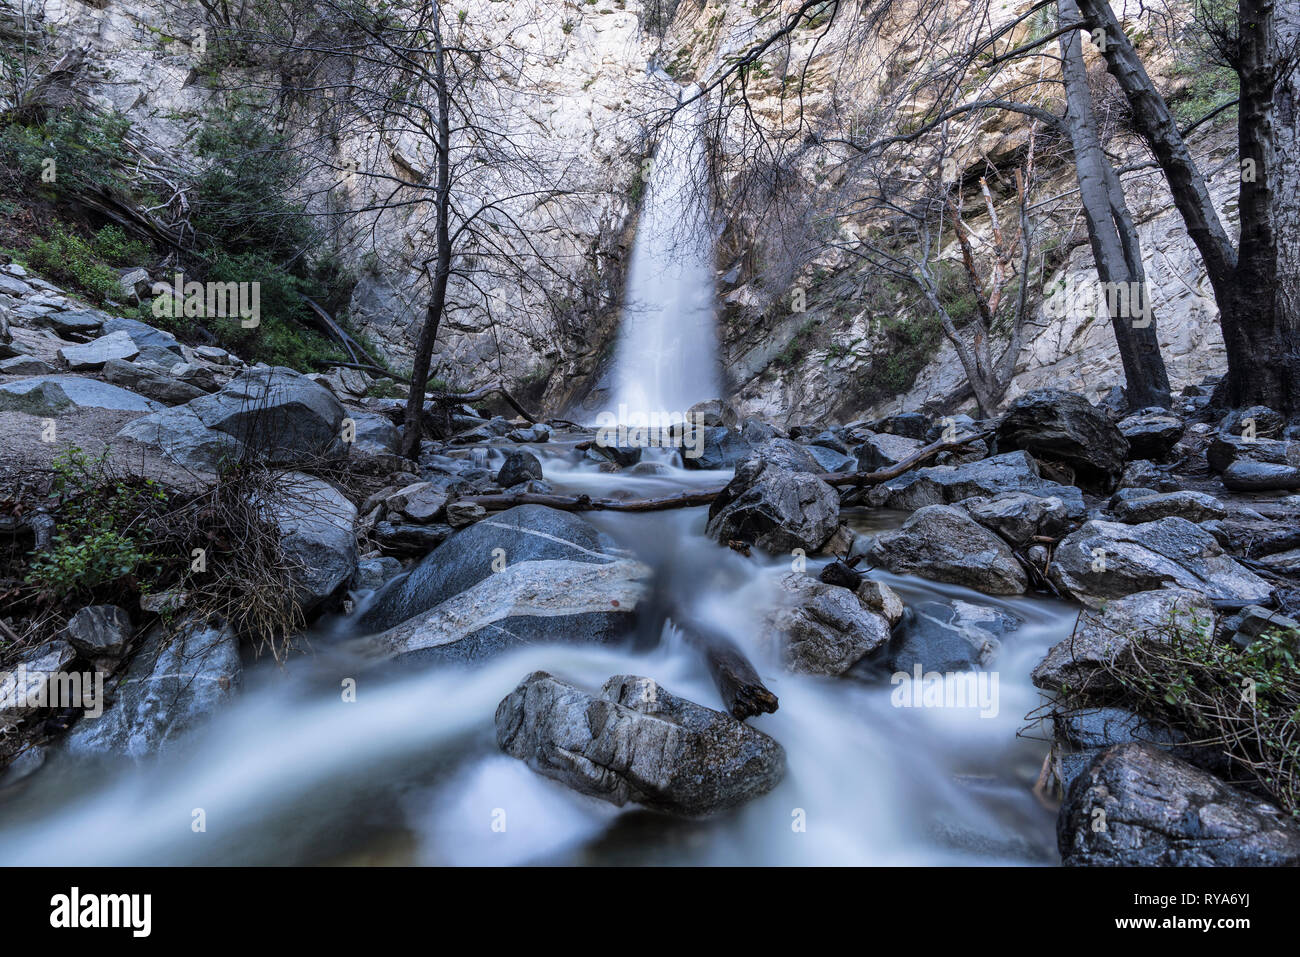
[[410, 772], [666, 359]]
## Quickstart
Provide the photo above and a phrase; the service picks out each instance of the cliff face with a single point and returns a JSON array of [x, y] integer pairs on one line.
[[837, 358]]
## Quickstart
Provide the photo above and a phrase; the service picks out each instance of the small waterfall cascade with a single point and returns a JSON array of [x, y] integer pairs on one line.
[[666, 359]]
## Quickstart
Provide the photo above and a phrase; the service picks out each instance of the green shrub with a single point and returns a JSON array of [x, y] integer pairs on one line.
[[100, 529], [75, 262]]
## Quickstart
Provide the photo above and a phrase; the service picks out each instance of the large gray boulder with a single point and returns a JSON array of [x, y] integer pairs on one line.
[[821, 629], [1019, 516], [1137, 805], [317, 534], [881, 450], [636, 742], [154, 345], [947, 484], [272, 413], [719, 448], [1103, 634], [1104, 560], [1151, 433], [529, 574], [949, 636], [49, 395], [174, 683], [148, 381], [93, 355], [945, 544], [1066, 428], [774, 508]]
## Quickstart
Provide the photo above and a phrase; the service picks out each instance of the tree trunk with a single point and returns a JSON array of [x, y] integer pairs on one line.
[[413, 427], [1111, 232], [1256, 298]]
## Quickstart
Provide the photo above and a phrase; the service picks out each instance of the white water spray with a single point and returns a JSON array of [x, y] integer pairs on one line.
[[667, 349]]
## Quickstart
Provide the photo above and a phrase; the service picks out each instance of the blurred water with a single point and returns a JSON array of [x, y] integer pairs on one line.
[[410, 773]]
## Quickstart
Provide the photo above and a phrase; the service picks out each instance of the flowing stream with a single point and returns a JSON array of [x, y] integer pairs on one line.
[[410, 773]]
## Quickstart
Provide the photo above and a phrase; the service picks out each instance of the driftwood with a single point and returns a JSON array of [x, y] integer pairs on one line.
[[743, 692], [585, 503]]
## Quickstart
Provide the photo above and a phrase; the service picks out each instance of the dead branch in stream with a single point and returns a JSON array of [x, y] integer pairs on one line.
[[585, 503], [743, 692]]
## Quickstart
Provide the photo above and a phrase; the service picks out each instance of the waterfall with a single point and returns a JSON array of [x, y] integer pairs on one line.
[[666, 360]]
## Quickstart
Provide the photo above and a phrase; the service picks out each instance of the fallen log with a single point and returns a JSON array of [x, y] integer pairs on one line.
[[356, 352], [743, 692], [705, 496]]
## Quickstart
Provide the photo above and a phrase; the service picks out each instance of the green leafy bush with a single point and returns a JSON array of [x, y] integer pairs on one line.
[[100, 535]]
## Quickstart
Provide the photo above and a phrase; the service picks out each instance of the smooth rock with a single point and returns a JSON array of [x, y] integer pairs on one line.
[[821, 629], [636, 742]]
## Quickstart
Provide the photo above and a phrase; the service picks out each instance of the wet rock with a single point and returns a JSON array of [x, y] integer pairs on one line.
[[708, 413], [636, 742], [821, 629], [149, 382], [1068, 429], [1246, 475], [1193, 506], [99, 631], [720, 448], [1143, 474], [173, 685], [199, 376], [881, 599], [1152, 433], [947, 484], [1259, 420], [317, 533], [1225, 449], [519, 467], [774, 508], [1159, 811], [1102, 634], [50, 395], [830, 439], [409, 541], [1019, 516], [949, 636], [372, 573], [527, 543], [1104, 560], [788, 454], [534, 433], [944, 544], [622, 456], [882, 450]]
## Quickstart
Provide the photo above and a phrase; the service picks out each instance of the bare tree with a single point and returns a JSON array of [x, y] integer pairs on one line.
[[1253, 280]]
